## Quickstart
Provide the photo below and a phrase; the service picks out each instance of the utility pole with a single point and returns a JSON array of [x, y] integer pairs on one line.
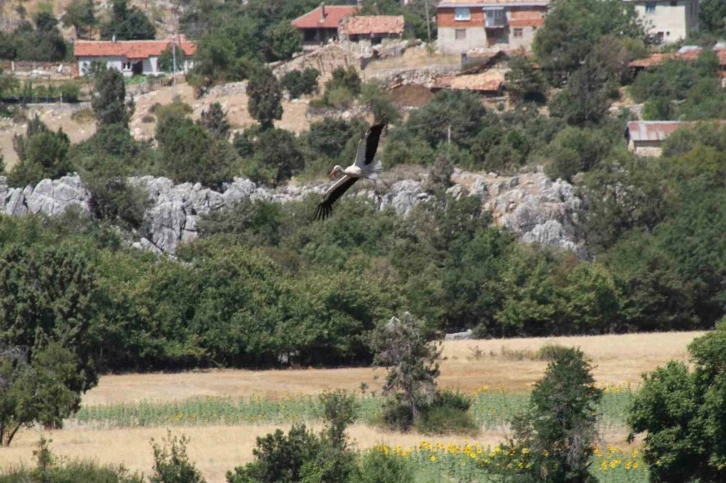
[[428, 20], [173, 56], [448, 135]]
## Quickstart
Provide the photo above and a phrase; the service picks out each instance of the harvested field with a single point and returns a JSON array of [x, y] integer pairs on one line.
[[618, 359]]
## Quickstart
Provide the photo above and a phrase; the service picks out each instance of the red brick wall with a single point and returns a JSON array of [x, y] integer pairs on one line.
[[445, 18]]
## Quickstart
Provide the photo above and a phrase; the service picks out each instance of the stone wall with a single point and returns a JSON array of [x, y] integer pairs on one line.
[[530, 204]]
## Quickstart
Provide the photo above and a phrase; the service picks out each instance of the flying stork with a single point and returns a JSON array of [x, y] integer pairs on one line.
[[363, 167]]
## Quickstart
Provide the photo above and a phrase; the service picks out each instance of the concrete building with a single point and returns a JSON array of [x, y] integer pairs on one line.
[[135, 57], [669, 20], [320, 26], [498, 24]]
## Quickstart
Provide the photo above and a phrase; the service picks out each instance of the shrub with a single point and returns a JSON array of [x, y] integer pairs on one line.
[[445, 420], [298, 83], [171, 463], [83, 116], [147, 119], [264, 96], [70, 92], [380, 467]]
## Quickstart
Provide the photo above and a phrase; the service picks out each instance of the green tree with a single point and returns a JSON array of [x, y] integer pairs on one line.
[[573, 27], [298, 83], [586, 98], [277, 157], [80, 14], [51, 295], [109, 99], [281, 41], [171, 463], [712, 17], [166, 59], [683, 414], [401, 345], [576, 150], [189, 153], [127, 23], [39, 390], [214, 120], [524, 81], [559, 428], [264, 94], [41, 153]]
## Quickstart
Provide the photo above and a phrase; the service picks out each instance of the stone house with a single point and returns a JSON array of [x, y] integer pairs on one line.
[[373, 29], [669, 20], [500, 24], [134, 57], [320, 26]]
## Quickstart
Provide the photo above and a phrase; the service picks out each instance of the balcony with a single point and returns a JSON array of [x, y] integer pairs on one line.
[[495, 18]]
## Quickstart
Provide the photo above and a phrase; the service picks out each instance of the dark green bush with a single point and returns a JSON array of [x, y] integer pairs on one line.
[[379, 467], [445, 420], [298, 83]]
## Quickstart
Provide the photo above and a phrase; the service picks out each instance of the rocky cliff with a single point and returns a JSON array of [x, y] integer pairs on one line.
[[530, 204]]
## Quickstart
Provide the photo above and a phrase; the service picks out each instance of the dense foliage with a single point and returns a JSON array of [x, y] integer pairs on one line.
[[40, 40], [682, 412]]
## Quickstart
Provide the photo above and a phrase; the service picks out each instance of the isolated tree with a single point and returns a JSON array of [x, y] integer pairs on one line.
[[80, 14], [298, 83], [402, 347], [264, 94], [166, 59], [37, 390], [559, 428], [109, 99], [281, 41], [127, 23], [214, 120]]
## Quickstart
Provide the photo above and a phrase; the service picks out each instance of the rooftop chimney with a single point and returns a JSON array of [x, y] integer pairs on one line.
[[322, 12]]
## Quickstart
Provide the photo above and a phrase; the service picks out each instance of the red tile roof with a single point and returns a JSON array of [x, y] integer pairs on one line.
[[378, 24], [333, 15], [481, 3], [131, 49], [526, 18]]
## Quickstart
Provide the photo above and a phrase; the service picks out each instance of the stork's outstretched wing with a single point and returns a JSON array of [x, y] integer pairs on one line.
[[325, 208], [372, 137]]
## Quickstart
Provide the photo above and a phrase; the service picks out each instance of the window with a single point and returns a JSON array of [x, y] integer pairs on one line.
[[460, 34], [649, 7], [517, 33], [126, 65], [534, 29], [674, 3], [659, 37], [461, 13]]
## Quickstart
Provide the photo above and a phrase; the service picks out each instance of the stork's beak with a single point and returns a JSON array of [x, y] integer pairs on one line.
[[331, 175]]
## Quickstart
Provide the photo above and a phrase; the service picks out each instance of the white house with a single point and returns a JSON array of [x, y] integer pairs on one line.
[[131, 57], [669, 20]]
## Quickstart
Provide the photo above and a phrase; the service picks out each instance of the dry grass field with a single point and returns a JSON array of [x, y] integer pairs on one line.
[[617, 359], [215, 449]]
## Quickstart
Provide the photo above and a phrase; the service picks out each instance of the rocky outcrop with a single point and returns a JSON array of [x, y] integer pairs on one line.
[[49, 197], [535, 208]]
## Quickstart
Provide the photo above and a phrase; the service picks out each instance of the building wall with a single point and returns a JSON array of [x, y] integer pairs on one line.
[[111, 62], [673, 19], [475, 37], [476, 34]]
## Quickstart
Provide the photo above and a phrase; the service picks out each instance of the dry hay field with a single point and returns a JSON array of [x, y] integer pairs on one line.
[[509, 366]]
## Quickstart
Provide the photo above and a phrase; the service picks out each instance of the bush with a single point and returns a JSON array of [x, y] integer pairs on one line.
[[298, 83], [379, 467], [171, 463], [51, 470], [264, 96], [445, 420], [70, 92]]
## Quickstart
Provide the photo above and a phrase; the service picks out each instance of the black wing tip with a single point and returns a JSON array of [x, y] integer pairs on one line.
[[322, 212]]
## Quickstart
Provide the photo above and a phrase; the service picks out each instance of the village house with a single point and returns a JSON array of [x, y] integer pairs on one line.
[[502, 24], [320, 26], [669, 20], [132, 57], [373, 29], [646, 137]]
